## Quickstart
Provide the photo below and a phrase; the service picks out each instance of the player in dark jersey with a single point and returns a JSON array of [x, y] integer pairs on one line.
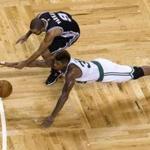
[[61, 32]]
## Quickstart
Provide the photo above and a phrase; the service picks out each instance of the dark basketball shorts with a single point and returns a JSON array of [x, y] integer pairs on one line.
[[62, 42]]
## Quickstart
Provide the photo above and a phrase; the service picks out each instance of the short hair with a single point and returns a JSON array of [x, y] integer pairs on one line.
[[63, 56], [36, 23]]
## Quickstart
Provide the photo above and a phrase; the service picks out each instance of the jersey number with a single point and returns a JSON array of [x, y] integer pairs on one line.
[[83, 63], [64, 17]]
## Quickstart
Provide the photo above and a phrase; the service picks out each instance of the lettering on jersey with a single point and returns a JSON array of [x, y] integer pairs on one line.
[[64, 17], [55, 18], [83, 63]]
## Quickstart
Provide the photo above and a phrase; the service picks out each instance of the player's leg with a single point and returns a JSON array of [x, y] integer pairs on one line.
[[120, 73], [146, 70], [54, 75], [48, 57], [59, 44]]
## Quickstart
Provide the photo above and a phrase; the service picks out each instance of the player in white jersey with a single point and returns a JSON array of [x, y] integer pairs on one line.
[[81, 71]]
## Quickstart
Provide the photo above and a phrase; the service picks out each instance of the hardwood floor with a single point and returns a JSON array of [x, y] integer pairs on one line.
[[97, 116]]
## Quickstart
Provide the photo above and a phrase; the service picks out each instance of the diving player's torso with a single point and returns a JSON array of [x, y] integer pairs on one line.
[[89, 70]]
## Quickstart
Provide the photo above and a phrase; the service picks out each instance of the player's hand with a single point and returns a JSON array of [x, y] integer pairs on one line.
[[22, 39], [8, 64], [47, 122]]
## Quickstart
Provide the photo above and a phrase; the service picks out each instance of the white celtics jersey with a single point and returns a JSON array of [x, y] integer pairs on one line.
[[102, 70], [90, 71]]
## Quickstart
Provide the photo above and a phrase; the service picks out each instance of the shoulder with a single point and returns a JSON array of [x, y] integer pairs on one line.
[[73, 71]]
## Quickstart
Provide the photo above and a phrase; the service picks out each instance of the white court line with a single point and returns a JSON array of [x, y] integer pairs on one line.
[[3, 122]]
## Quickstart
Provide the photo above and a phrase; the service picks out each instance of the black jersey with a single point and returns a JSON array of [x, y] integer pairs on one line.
[[61, 20], [65, 22]]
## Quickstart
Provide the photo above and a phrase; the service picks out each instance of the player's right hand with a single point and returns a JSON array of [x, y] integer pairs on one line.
[[21, 39]]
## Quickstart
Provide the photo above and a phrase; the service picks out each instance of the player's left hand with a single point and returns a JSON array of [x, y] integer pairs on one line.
[[8, 64], [47, 122]]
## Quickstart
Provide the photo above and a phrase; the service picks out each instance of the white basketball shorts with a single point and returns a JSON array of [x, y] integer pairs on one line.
[[114, 72]]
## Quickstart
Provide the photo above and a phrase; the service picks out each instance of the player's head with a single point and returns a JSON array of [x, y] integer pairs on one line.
[[61, 60], [37, 26]]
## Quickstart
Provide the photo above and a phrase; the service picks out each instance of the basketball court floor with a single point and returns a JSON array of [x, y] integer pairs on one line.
[[97, 116]]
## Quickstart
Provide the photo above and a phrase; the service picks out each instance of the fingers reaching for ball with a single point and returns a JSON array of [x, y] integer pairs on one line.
[[2, 62], [8, 64]]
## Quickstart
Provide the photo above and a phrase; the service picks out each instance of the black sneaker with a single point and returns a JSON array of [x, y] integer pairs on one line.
[[52, 78]]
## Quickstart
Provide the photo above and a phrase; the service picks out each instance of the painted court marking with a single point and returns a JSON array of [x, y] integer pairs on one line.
[[3, 123]]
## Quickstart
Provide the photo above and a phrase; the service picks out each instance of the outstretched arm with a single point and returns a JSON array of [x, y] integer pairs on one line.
[[36, 63], [43, 46], [69, 83], [23, 38]]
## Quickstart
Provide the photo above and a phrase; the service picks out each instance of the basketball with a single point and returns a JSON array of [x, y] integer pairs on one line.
[[5, 88]]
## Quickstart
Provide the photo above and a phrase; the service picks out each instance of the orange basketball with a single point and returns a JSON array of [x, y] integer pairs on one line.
[[5, 88]]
